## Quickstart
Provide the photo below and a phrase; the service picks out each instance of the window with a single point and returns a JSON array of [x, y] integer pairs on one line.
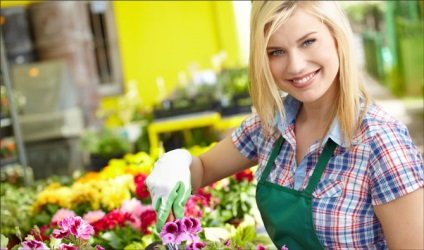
[[102, 21]]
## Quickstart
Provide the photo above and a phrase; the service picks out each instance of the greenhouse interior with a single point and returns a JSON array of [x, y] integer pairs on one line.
[[94, 92]]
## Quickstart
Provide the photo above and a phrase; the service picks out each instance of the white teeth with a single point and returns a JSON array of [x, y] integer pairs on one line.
[[305, 79]]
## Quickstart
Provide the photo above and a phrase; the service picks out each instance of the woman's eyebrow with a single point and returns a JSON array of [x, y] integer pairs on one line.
[[305, 36], [297, 41]]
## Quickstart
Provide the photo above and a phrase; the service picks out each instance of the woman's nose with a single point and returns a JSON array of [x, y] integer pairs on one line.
[[296, 63]]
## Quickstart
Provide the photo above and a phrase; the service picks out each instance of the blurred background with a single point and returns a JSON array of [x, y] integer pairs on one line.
[[83, 82]]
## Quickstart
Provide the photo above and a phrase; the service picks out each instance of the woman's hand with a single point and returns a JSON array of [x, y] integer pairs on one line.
[[169, 185]]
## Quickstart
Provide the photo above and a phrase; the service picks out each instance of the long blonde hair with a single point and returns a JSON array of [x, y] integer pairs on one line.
[[266, 18]]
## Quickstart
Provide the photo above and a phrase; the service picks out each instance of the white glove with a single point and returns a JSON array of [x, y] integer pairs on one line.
[[169, 185]]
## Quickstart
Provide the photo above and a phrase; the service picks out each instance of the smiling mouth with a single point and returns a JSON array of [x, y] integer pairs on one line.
[[304, 79]]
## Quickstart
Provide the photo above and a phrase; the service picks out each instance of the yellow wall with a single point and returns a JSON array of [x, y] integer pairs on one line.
[[14, 3], [161, 38]]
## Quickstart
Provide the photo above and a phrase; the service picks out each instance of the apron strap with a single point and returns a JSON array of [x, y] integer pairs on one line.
[[326, 154], [275, 151]]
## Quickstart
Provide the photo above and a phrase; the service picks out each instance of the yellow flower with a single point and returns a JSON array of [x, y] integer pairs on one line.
[[53, 195], [88, 177], [111, 171], [114, 192]]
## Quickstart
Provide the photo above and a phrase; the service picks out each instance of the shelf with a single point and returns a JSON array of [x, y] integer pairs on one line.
[[5, 122], [8, 161], [6, 128]]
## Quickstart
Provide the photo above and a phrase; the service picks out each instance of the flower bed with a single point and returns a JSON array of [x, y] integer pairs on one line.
[[111, 209]]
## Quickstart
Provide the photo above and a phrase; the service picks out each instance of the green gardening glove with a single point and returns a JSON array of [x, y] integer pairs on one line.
[[169, 185]]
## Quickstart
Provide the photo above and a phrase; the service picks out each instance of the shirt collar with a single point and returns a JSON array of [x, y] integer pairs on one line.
[[292, 106]]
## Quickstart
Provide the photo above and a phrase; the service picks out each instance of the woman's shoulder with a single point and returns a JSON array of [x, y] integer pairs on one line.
[[377, 121], [377, 116]]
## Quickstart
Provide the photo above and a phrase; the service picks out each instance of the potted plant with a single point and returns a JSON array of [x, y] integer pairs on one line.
[[104, 145]]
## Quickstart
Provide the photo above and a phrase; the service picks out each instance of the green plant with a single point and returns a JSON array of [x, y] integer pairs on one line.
[[16, 205], [105, 143]]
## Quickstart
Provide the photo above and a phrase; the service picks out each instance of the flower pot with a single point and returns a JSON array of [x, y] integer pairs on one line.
[[98, 162]]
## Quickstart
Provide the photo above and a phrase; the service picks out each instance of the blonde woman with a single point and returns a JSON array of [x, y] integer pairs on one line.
[[334, 170]]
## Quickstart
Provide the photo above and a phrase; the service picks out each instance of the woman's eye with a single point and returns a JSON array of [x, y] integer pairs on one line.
[[308, 42], [276, 53]]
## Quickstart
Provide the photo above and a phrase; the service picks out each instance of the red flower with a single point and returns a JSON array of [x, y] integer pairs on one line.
[[246, 174], [141, 188], [148, 217], [112, 219]]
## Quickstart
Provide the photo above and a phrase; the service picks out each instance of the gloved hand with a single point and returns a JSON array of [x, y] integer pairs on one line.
[[169, 185]]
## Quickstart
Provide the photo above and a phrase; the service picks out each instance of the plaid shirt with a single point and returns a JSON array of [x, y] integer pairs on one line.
[[382, 165]]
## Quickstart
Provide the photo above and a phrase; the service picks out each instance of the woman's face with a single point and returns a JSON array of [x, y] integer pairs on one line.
[[303, 58]]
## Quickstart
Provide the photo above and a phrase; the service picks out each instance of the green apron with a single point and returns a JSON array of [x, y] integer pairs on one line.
[[287, 213]]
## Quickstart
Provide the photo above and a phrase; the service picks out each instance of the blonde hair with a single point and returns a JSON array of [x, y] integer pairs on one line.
[[266, 18]]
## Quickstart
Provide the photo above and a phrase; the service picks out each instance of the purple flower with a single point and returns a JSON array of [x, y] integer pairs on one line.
[[196, 227], [33, 245], [181, 230], [284, 248], [169, 228], [227, 243], [168, 238], [187, 222], [260, 247], [196, 246]]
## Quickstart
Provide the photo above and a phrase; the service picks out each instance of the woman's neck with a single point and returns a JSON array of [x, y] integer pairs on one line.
[[318, 113]]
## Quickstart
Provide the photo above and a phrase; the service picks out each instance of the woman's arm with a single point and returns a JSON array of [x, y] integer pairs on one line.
[[221, 161], [403, 222]]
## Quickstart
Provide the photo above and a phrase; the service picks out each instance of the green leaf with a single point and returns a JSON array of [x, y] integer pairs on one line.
[[134, 245], [216, 233], [244, 233], [4, 241], [54, 243], [113, 239]]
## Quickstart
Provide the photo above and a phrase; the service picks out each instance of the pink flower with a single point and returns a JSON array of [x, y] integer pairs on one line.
[[169, 228], [192, 227], [227, 243], [260, 247], [74, 225], [93, 216], [193, 207], [168, 238], [284, 248], [136, 222], [60, 234], [33, 245], [69, 246], [66, 223], [62, 214], [98, 247], [81, 229], [196, 246], [172, 232], [181, 230], [132, 206]]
